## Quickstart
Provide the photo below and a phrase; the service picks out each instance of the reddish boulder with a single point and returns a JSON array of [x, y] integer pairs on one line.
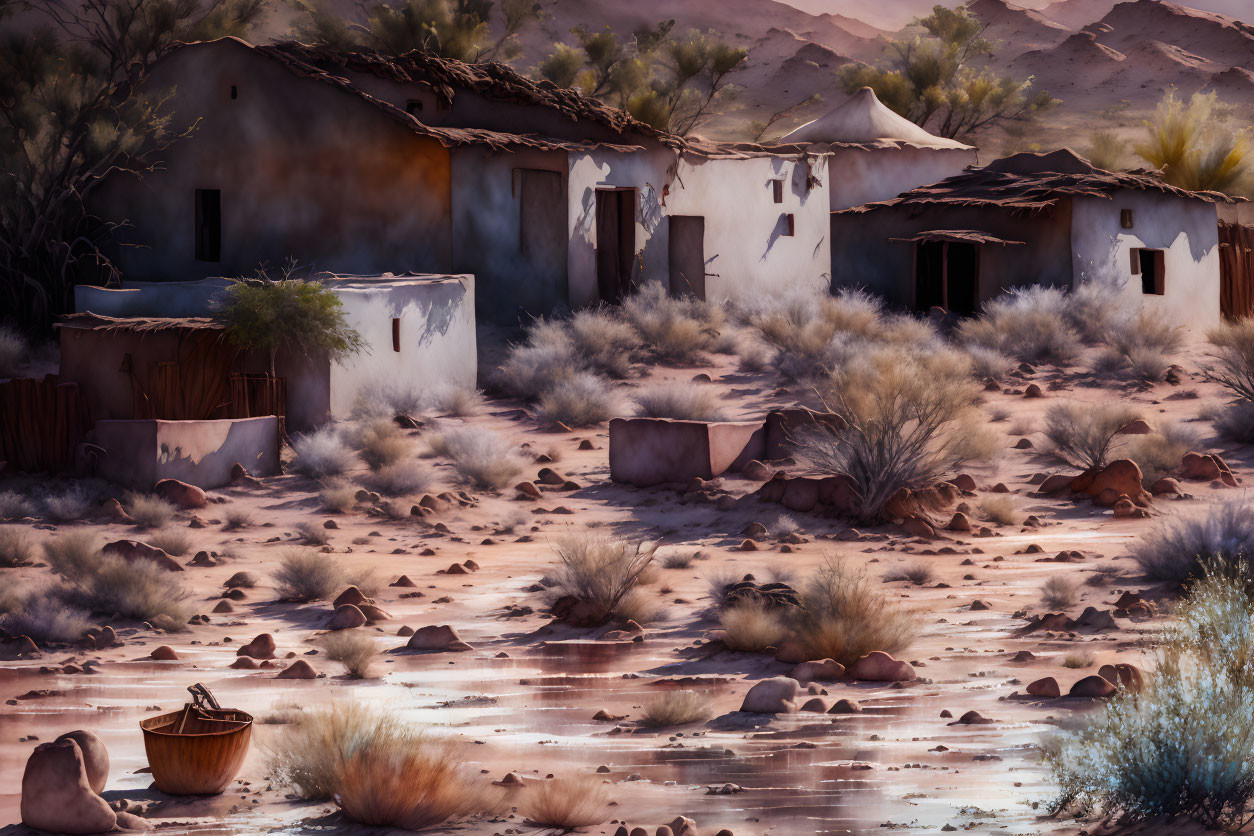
[[261, 647], [1093, 687], [1046, 687], [436, 638], [164, 653], [1121, 476], [800, 495], [57, 796], [132, 550], [826, 670], [300, 669], [1123, 675], [346, 617], [181, 494], [878, 666], [1057, 483], [352, 595], [1165, 486], [771, 696], [959, 522]]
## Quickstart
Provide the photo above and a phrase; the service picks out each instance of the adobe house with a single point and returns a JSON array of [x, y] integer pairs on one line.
[[1050, 219], [359, 163], [133, 360]]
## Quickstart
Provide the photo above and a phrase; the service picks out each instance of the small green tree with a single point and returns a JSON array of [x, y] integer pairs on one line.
[[267, 315], [1192, 148], [937, 79], [669, 83], [457, 29]]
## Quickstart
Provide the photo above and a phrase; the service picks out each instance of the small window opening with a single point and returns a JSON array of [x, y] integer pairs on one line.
[[777, 190], [413, 106], [1150, 265], [791, 224], [396, 333], [234, 92], [208, 225], [1125, 218]]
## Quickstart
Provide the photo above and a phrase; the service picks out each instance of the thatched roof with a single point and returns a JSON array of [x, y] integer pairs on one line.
[[957, 236], [88, 321], [1032, 182]]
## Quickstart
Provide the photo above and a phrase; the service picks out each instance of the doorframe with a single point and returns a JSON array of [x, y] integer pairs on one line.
[[914, 273]]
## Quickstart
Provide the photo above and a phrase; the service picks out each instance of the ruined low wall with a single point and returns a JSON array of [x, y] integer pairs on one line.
[[140, 453]]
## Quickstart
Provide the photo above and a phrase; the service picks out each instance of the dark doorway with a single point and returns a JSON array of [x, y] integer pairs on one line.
[[687, 255], [1151, 264], [208, 225], [947, 276], [542, 217], [616, 242]]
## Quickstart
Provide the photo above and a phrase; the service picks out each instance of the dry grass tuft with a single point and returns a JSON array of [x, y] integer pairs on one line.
[[305, 575], [676, 330], [457, 401], [1235, 422], [486, 459], [149, 511], [400, 478], [379, 769], [236, 517], [1233, 354], [1029, 324], [68, 505], [353, 649], [682, 401], [43, 615], [843, 616], [94, 582], [321, 453], [1077, 659], [15, 506], [382, 444], [1000, 510], [338, 498], [1158, 454], [600, 573], [16, 548], [675, 708], [581, 400], [566, 802], [604, 342], [313, 534], [72, 553], [172, 541], [1177, 549], [918, 573], [752, 627], [1059, 594], [13, 352]]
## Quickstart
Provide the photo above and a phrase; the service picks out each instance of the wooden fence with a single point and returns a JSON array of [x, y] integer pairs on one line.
[[41, 423], [1236, 270], [256, 393]]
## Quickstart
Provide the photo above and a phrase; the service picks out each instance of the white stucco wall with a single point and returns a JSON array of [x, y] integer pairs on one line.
[[645, 171], [1187, 230], [865, 175], [747, 250], [437, 335]]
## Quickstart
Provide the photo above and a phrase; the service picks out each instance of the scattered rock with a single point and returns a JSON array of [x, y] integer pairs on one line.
[[1095, 687], [132, 550], [57, 796], [878, 666], [845, 706], [346, 617], [436, 638], [261, 647], [1046, 687], [824, 670], [776, 695], [300, 669], [183, 495], [164, 653]]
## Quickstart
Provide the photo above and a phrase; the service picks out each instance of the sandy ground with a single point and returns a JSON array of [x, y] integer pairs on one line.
[[528, 691]]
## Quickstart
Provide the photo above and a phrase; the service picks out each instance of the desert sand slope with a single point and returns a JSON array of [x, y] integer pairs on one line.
[[1015, 25], [1211, 36], [1074, 68]]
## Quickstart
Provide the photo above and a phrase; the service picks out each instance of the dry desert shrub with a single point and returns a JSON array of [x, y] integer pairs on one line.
[[918, 573], [1107, 150], [1177, 549], [321, 453], [306, 575], [72, 553], [674, 708], [678, 560], [682, 401], [400, 478], [456, 401], [604, 341], [338, 497], [752, 627], [1143, 343], [1083, 435], [807, 333], [1235, 422], [545, 359], [313, 534], [353, 649], [382, 443], [1233, 355], [843, 616], [1077, 659], [486, 459], [1059, 594], [379, 769], [68, 505], [581, 400], [989, 363], [1158, 454], [43, 615], [172, 541], [566, 802], [676, 330], [15, 506], [1183, 744], [16, 548], [1000, 510], [783, 525], [1093, 308], [147, 510], [13, 351], [1029, 324], [600, 573], [911, 420]]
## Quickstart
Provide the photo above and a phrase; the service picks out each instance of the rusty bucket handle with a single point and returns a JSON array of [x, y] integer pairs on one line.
[[202, 697]]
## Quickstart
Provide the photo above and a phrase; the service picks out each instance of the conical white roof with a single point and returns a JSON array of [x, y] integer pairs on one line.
[[865, 119]]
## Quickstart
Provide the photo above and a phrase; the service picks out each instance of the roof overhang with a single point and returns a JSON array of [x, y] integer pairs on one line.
[[958, 236]]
